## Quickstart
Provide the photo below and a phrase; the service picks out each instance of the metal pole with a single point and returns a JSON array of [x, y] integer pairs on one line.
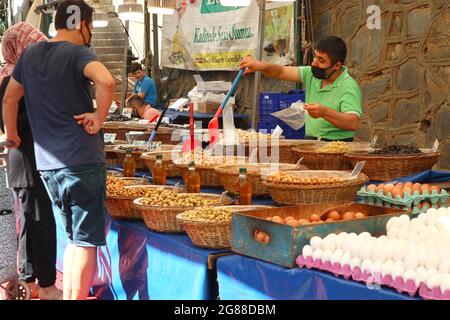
[[259, 53], [155, 49], [124, 69]]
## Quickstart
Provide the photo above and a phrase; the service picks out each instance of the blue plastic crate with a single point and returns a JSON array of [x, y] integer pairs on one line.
[[270, 102]]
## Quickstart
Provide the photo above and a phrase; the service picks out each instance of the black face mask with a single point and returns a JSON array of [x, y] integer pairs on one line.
[[320, 73], [90, 38]]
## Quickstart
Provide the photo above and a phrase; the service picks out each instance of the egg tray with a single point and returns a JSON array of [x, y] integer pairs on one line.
[[356, 274], [409, 201]]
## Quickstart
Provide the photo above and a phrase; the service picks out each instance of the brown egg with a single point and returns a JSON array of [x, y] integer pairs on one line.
[[302, 222], [399, 185], [269, 218], [260, 236], [408, 185], [348, 215], [407, 190], [329, 220], [435, 188], [381, 187], [266, 238], [277, 219], [359, 215], [426, 205], [397, 192], [292, 222], [388, 189], [314, 218], [320, 222], [372, 187], [288, 218], [417, 186], [419, 206], [334, 214]]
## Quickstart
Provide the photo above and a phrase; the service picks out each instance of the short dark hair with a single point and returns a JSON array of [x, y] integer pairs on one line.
[[63, 16], [137, 101], [136, 66], [335, 47]]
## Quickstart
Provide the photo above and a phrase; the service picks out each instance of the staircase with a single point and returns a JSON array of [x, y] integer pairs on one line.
[[108, 43]]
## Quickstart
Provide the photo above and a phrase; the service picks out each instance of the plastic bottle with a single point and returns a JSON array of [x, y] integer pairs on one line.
[[129, 164], [192, 179], [159, 171], [244, 188]]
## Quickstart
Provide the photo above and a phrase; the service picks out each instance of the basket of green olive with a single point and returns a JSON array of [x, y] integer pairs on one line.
[[159, 210], [210, 227]]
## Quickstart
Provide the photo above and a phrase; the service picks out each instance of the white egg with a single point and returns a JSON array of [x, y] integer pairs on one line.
[[411, 261], [409, 275], [307, 251], [393, 222], [353, 235], [389, 251], [412, 236], [423, 235], [364, 235], [431, 272], [397, 271], [331, 236], [326, 256], [433, 259], [346, 243], [404, 220], [431, 219], [403, 232], [432, 211], [433, 230], [399, 252], [336, 257], [382, 239], [415, 225], [340, 240], [377, 267], [346, 259], [365, 252], [316, 242], [435, 281], [444, 266], [318, 253], [355, 262], [400, 264], [421, 276], [443, 210], [366, 265], [378, 253], [393, 232], [328, 244], [445, 285], [422, 218], [388, 267], [354, 249]]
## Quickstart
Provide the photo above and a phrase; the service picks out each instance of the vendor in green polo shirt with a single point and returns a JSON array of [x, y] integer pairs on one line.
[[333, 97]]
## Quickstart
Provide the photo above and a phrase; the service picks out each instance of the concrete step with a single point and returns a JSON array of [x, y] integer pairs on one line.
[[113, 65], [108, 29], [108, 43], [108, 50], [108, 35], [110, 57]]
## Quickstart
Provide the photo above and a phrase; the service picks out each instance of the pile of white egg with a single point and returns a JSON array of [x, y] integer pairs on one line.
[[415, 255]]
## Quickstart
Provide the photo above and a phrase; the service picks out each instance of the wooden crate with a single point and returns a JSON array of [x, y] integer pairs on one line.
[[286, 242]]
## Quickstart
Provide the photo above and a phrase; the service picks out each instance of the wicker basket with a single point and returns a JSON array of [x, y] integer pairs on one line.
[[119, 128], [212, 235], [132, 181], [166, 152], [292, 194], [121, 207], [322, 160], [209, 177], [386, 168], [285, 152], [121, 154], [164, 219], [229, 174]]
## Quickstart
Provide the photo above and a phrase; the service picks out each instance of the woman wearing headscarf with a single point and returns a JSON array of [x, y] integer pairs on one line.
[[37, 238]]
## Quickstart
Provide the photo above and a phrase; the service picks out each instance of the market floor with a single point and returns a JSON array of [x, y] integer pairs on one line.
[[59, 285]]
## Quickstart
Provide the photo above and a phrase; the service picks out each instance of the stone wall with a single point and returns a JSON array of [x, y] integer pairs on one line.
[[403, 68]]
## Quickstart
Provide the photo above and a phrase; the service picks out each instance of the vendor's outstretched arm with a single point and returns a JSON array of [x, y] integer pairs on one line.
[[270, 69], [341, 120]]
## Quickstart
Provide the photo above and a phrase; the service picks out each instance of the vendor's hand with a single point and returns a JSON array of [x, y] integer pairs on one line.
[[315, 110], [13, 141], [90, 122], [250, 64]]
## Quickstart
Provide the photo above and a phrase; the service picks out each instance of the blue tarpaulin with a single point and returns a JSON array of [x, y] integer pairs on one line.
[[244, 278]]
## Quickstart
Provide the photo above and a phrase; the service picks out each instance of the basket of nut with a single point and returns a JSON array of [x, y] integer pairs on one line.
[[168, 152], [307, 187], [120, 196], [394, 161], [210, 227], [205, 165], [329, 156], [255, 171], [159, 210]]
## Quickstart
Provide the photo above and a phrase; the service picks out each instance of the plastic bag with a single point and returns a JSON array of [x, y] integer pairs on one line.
[[294, 116], [228, 125]]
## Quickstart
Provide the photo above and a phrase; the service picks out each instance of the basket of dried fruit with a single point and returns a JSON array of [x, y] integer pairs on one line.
[[205, 165], [159, 210], [255, 171], [120, 196], [210, 227], [168, 152], [329, 156], [307, 187], [394, 161]]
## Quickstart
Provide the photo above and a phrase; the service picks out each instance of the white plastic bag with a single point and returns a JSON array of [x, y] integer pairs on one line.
[[294, 116]]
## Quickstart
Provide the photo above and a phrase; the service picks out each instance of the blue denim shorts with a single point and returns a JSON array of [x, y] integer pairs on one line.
[[79, 193]]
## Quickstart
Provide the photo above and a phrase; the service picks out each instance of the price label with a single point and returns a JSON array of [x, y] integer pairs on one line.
[[374, 141], [319, 138], [113, 108], [277, 132], [154, 146], [109, 137], [127, 112], [165, 120], [143, 121], [435, 146], [139, 143]]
